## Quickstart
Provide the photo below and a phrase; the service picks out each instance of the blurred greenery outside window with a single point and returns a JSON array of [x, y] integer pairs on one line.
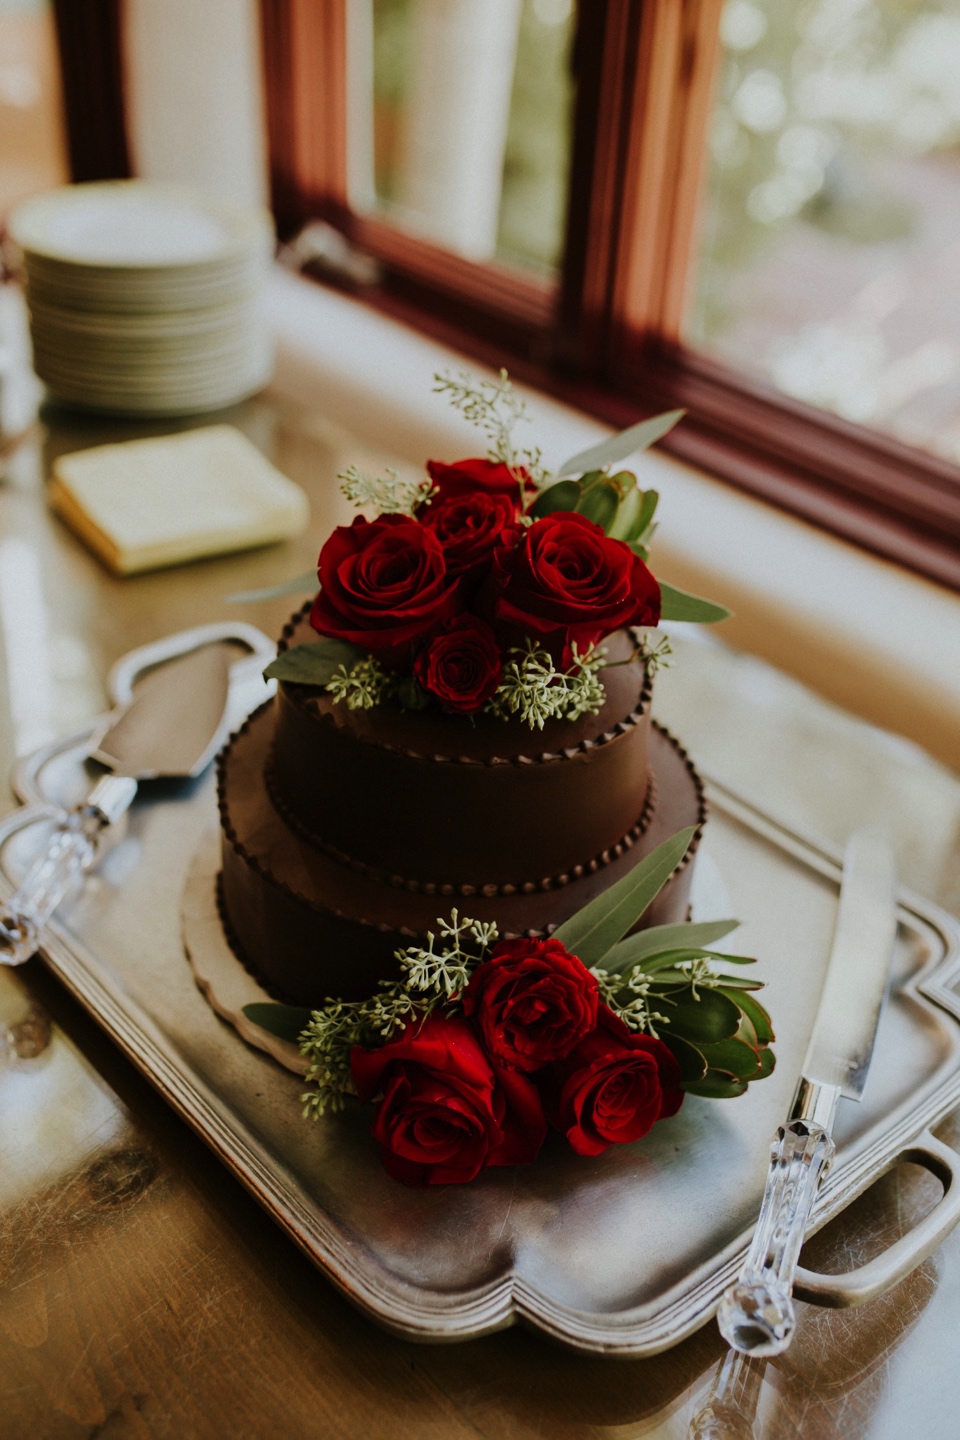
[[471, 136], [830, 246]]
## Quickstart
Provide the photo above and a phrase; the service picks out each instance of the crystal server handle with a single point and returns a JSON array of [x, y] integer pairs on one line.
[[756, 1314], [70, 852]]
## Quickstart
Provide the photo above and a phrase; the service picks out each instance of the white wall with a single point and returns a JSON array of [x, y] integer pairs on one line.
[[194, 95]]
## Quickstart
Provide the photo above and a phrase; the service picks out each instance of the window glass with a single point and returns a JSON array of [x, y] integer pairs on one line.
[[830, 252], [32, 148], [470, 141]]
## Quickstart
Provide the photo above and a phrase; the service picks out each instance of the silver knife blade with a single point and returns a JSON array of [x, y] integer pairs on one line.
[[177, 718], [841, 1045]]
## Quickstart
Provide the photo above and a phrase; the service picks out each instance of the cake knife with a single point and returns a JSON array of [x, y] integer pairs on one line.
[[171, 728], [756, 1314]]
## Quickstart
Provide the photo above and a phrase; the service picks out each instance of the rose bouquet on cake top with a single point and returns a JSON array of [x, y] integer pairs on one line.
[[490, 585]]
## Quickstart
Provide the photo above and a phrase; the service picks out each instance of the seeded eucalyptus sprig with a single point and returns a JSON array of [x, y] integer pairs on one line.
[[495, 408], [387, 494]]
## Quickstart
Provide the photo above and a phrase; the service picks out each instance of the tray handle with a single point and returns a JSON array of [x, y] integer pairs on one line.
[[867, 1282]]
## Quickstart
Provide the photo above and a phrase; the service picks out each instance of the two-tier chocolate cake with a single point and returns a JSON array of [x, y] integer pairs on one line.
[[346, 832]]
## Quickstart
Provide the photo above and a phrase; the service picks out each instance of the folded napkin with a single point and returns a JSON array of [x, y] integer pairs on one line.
[[144, 504]]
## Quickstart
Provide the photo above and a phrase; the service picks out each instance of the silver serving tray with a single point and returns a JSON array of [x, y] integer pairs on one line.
[[627, 1253]]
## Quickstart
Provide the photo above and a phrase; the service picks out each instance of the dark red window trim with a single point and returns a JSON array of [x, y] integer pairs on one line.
[[89, 41]]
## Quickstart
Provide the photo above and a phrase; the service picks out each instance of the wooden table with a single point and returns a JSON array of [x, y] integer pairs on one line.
[[143, 1293]]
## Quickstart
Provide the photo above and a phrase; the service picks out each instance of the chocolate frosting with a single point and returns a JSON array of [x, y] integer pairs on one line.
[[474, 802], [312, 927]]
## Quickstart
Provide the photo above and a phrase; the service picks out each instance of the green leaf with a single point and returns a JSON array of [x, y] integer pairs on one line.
[[411, 694], [625, 483], [679, 605], [735, 1056], [706, 1020], [314, 663], [651, 499], [599, 504], [622, 445], [688, 1057], [660, 938], [595, 929], [628, 515], [768, 1063], [562, 495], [286, 1021], [297, 586], [755, 1013], [717, 1085]]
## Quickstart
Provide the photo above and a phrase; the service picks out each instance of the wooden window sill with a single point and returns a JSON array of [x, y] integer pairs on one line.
[[870, 636]]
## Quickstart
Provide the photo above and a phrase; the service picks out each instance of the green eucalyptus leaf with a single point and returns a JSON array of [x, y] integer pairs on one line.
[[599, 504], [717, 1085], [706, 1020], [561, 495], [733, 1055], [314, 663], [755, 1013], [286, 1021], [298, 585], [595, 929], [640, 544], [680, 605], [768, 1063], [625, 482], [661, 938], [644, 526], [622, 445], [628, 515], [592, 477], [411, 694], [688, 1057]]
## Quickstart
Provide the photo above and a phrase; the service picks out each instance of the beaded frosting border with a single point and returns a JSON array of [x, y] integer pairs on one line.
[[447, 888], [241, 851]]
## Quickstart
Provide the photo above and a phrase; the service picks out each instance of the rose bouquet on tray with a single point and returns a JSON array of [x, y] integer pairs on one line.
[[489, 585], [483, 1045]]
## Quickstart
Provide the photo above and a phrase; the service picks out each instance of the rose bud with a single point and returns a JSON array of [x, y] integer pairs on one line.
[[567, 582], [532, 1001], [447, 1111], [613, 1087], [384, 585], [472, 477], [461, 665], [469, 528]]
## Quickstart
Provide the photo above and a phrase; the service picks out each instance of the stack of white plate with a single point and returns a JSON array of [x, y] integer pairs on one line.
[[145, 298]]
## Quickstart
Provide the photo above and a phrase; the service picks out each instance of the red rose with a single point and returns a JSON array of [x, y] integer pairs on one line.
[[614, 1087], [469, 527], [383, 585], [468, 477], [460, 666], [566, 581], [447, 1111], [532, 1002]]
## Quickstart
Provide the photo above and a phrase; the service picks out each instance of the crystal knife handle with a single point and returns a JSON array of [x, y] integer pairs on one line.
[[69, 854], [756, 1314]]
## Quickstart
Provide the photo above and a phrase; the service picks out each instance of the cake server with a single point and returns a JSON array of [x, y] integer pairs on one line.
[[172, 725], [756, 1314]]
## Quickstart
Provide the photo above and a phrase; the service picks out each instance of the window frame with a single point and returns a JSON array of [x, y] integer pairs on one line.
[[608, 337]]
